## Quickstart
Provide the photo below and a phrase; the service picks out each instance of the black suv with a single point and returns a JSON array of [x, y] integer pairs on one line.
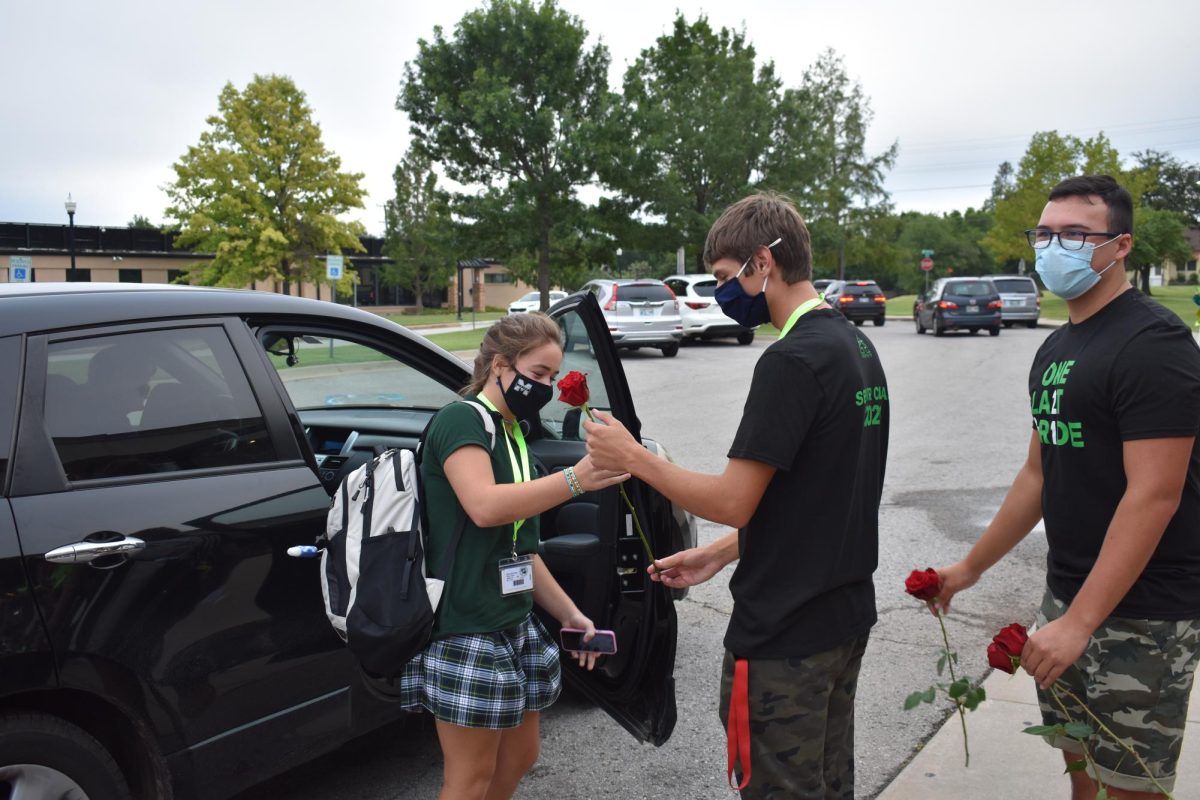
[[161, 448], [858, 301]]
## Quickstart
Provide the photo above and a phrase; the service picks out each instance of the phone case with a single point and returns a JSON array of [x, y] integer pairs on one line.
[[581, 630]]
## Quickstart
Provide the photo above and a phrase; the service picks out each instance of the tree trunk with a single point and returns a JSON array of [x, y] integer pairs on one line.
[[418, 290], [841, 259], [544, 260], [287, 278], [1144, 278]]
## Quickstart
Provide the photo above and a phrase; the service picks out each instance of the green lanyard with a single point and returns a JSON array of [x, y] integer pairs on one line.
[[520, 468], [804, 308]]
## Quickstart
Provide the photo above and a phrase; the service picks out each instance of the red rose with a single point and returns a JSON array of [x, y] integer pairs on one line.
[[574, 389], [1000, 659], [923, 585]]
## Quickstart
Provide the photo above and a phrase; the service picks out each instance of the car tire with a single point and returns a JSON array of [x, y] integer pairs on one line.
[[994, 331], [973, 331], [858, 323], [879, 322], [670, 350], [917, 321], [56, 759], [1031, 324], [745, 337], [938, 330], [1008, 324]]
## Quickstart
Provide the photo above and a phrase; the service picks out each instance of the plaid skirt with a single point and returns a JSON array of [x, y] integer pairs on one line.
[[485, 680]]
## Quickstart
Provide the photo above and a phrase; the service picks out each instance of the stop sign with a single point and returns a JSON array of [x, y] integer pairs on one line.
[[927, 264]]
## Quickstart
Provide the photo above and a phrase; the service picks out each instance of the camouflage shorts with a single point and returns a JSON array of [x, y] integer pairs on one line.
[[801, 723], [1136, 676]]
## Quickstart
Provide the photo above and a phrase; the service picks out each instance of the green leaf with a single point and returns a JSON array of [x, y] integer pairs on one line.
[[930, 695], [941, 665], [1043, 730], [974, 698], [954, 657], [1102, 794], [1076, 766], [1079, 730], [913, 700], [959, 688]]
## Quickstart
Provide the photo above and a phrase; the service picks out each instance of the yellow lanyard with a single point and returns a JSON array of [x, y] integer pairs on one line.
[[520, 468], [804, 308]]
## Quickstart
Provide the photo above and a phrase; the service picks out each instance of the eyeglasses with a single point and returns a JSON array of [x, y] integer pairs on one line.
[[1040, 238]]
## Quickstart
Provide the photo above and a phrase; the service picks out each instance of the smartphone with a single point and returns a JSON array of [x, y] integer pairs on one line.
[[604, 642]]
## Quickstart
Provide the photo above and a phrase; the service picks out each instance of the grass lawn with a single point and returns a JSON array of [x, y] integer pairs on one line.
[[459, 340]]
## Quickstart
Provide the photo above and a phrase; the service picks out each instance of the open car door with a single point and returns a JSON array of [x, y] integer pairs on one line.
[[593, 550]]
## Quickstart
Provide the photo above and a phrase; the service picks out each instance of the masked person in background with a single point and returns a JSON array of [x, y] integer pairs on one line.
[[491, 666], [1114, 470], [802, 484]]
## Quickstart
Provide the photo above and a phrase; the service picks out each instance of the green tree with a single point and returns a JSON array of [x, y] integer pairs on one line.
[[1002, 186], [820, 158], [1158, 236], [419, 235], [141, 223], [512, 102], [1176, 185], [691, 131], [954, 239], [261, 192]]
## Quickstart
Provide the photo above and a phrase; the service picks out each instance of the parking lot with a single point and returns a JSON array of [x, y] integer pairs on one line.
[[960, 425]]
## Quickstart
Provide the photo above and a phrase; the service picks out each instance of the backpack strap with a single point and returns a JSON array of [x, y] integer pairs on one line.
[[489, 425]]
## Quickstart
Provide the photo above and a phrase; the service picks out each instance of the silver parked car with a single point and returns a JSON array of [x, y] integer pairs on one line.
[[1021, 298], [702, 316], [640, 313]]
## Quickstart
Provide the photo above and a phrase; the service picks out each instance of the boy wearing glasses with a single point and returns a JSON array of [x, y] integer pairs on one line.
[[802, 484], [1114, 470]]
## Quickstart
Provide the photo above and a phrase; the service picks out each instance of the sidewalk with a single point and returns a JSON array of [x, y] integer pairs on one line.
[[1006, 762]]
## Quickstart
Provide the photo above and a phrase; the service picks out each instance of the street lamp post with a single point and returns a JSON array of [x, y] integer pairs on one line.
[[70, 206]]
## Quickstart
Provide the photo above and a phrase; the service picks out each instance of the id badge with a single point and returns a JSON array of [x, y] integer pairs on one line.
[[516, 575]]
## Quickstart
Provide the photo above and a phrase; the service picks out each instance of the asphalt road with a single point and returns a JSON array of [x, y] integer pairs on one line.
[[960, 427]]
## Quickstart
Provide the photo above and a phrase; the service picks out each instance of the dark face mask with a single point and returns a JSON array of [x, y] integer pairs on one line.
[[742, 308], [525, 397]]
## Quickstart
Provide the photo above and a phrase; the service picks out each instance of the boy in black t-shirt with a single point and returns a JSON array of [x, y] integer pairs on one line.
[[1114, 469], [802, 483]]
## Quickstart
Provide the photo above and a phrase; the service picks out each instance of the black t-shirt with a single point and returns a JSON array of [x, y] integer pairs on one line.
[[817, 411], [1131, 371]]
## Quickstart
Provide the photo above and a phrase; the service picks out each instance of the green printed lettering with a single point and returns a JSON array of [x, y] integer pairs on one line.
[[1043, 429], [1048, 375], [1076, 432], [871, 415]]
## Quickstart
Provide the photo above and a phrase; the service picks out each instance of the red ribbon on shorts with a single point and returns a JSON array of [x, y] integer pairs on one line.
[[737, 731]]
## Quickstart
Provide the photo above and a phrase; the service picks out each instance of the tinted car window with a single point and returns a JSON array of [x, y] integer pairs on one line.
[[855, 289], [1015, 285], [151, 402], [705, 289], [9, 364], [643, 292], [970, 288]]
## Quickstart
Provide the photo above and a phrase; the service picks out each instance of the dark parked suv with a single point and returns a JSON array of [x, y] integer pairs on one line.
[[969, 304], [161, 448], [858, 301]]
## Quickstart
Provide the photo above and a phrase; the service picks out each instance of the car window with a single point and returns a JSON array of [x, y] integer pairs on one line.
[[151, 402], [10, 355], [970, 288], [676, 286], [321, 371], [528, 298], [705, 288], [643, 293], [856, 289], [1015, 285], [578, 356]]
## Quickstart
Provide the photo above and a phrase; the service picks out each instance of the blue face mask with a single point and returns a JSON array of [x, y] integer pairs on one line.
[[744, 309], [1069, 273]]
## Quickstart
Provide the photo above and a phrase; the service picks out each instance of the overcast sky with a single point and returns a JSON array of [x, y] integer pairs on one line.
[[100, 98]]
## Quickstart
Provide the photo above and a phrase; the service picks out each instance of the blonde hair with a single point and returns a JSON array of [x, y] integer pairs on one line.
[[510, 338]]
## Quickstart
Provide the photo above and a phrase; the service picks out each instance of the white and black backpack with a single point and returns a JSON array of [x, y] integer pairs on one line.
[[380, 595]]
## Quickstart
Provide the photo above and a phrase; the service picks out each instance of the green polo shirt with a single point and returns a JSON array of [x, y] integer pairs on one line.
[[471, 602]]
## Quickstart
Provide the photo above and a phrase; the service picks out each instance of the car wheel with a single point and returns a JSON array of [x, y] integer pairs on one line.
[[917, 320], [670, 350], [973, 331], [994, 331], [745, 337], [938, 330], [43, 756], [1008, 324], [1031, 324], [858, 323], [879, 322]]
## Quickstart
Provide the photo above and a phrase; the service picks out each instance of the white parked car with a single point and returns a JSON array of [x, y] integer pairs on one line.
[[531, 301], [702, 317]]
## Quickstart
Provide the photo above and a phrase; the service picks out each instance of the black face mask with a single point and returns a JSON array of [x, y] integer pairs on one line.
[[525, 397]]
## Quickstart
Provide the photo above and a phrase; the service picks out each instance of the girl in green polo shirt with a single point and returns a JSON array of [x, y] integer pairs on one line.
[[492, 667]]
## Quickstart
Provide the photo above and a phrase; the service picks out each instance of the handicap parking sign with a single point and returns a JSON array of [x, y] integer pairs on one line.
[[333, 267], [20, 269]]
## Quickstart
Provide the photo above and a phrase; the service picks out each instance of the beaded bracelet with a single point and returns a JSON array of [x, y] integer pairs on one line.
[[573, 484]]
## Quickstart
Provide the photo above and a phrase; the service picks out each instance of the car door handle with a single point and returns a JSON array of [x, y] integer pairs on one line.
[[84, 552]]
